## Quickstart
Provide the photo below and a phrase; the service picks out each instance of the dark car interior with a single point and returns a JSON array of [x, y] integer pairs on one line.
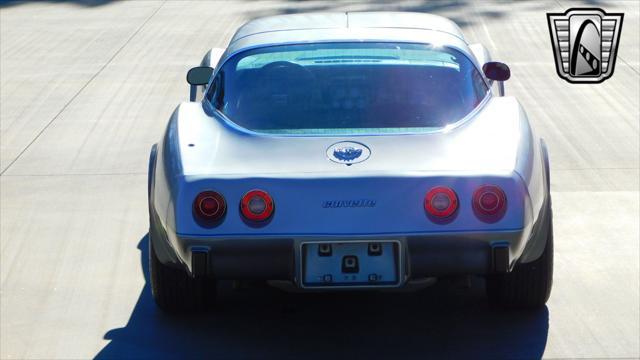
[[347, 95]]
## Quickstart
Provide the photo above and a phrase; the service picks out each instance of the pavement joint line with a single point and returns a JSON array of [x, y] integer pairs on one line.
[[82, 88], [629, 65], [603, 168], [77, 174]]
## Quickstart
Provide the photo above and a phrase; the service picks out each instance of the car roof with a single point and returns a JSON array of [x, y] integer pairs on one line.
[[346, 21], [382, 26]]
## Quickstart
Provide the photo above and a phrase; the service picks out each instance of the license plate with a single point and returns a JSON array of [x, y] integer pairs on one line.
[[361, 263]]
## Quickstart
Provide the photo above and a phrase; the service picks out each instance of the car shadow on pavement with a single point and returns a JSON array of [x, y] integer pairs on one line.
[[445, 320]]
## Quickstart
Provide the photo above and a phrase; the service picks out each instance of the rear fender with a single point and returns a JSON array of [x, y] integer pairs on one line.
[[151, 170], [540, 232], [164, 163]]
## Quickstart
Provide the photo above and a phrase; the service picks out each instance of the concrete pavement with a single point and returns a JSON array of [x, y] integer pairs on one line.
[[87, 86]]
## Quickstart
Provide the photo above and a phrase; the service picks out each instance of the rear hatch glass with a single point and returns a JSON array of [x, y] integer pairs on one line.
[[347, 88]]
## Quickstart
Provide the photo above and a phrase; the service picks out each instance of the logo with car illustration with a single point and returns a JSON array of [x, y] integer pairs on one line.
[[585, 43]]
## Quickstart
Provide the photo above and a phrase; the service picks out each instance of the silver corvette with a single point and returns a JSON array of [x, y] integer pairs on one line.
[[338, 151]]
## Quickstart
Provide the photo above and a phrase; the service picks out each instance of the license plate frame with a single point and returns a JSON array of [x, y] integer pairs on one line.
[[387, 267]]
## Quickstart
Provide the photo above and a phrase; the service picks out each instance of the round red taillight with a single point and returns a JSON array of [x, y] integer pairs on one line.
[[489, 201], [256, 205], [209, 206], [441, 202]]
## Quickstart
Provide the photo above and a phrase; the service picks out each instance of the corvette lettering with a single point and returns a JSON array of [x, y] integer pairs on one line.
[[348, 203]]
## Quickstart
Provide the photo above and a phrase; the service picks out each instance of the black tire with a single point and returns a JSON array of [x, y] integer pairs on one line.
[[174, 290], [529, 285]]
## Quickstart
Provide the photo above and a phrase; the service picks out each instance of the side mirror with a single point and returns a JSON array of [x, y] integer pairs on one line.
[[497, 71], [199, 75]]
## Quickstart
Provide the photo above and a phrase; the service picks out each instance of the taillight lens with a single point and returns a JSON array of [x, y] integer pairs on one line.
[[209, 206], [257, 205], [441, 202], [489, 202]]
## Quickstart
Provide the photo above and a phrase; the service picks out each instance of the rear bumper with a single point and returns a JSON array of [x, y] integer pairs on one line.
[[280, 258], [423, 256]]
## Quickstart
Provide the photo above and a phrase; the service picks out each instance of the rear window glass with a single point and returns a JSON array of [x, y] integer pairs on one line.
[[336, 88]]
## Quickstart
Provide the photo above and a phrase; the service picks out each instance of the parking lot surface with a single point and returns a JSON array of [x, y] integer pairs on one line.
[[87, 86]]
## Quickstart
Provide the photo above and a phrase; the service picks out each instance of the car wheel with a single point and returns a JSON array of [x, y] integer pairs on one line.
[[528, 285], [174, 290]]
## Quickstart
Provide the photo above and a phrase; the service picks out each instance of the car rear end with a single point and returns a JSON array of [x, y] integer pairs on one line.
[[366, 231], [346, 165]]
